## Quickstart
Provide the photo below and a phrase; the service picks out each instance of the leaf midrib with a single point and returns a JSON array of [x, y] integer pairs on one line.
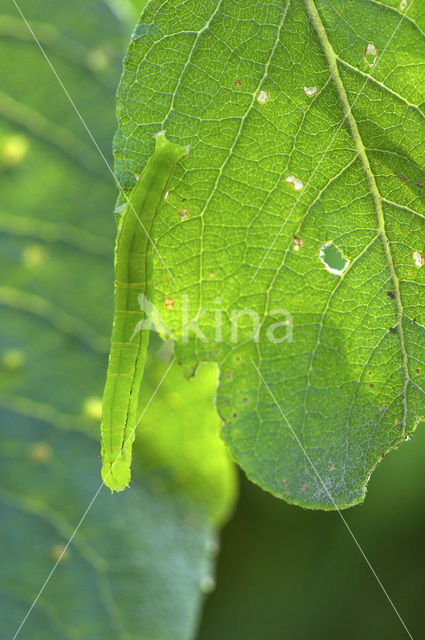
[[331, 59]]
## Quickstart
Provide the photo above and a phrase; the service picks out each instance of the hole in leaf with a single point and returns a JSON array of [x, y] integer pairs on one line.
[[370, 54], [310, 91], [263, 96], [418, 259], [294, 181], [333, 259]]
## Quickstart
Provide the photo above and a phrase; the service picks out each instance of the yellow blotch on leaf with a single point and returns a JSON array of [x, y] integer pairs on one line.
[[92, 407], [13, 359], [14, 150], [33, 256]]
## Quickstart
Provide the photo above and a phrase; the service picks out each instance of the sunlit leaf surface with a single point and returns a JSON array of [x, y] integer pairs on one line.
[[302, 201]]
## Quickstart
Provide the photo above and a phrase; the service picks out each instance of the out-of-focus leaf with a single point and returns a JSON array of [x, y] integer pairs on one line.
[[179, 439], [143, 558], [135, 570]]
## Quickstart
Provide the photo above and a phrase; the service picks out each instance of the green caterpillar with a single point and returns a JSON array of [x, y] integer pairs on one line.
[[132, 278]]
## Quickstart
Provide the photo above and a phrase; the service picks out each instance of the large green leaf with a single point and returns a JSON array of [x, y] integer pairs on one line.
[[142, 559], [137, 567], [306, 122]]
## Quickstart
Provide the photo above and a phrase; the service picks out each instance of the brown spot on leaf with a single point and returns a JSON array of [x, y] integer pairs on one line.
[[59, 553], [40, 452], [297, 243]]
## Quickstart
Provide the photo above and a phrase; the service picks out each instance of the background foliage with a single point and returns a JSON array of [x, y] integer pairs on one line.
[[283, 572], [142, 559]]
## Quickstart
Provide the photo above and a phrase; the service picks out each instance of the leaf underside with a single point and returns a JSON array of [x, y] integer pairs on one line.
[[264, 93]]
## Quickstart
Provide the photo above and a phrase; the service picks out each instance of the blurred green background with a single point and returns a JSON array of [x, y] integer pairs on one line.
[[282, 572]]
